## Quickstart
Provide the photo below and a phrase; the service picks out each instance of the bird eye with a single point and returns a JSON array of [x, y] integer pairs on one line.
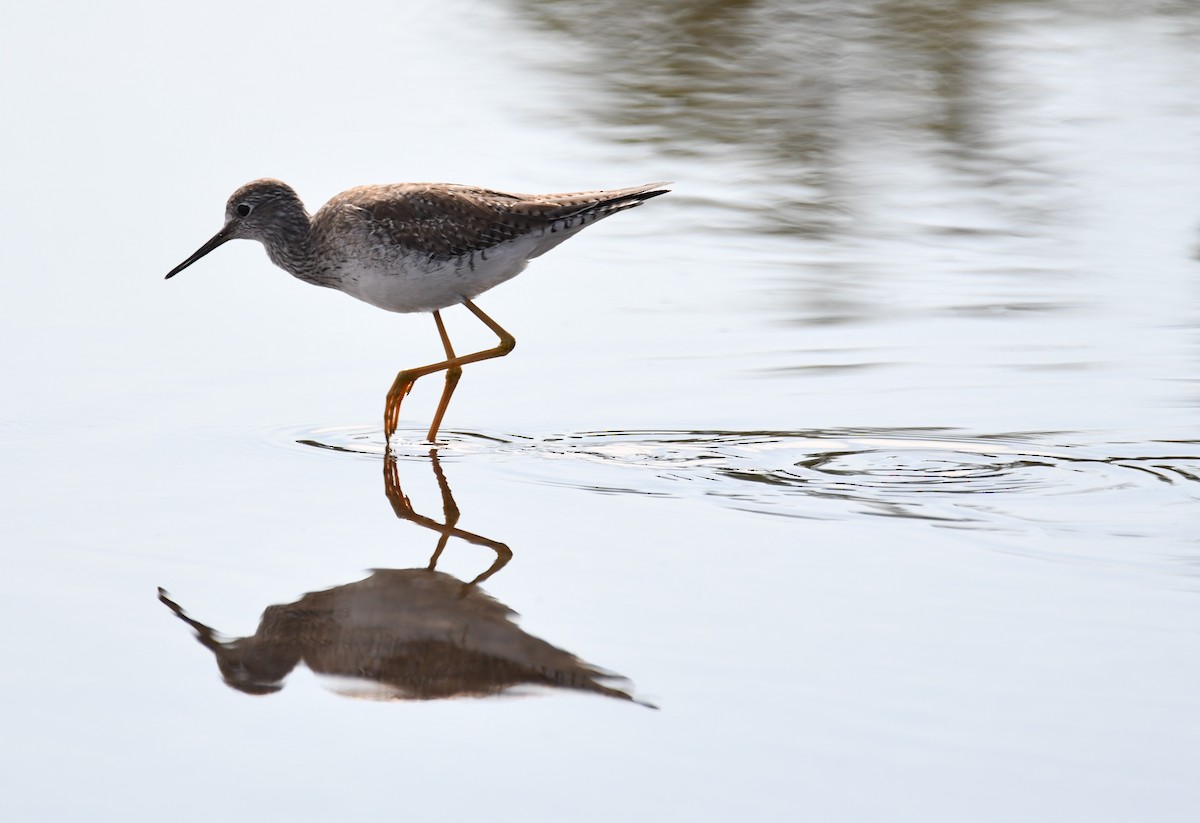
[[243, 209]]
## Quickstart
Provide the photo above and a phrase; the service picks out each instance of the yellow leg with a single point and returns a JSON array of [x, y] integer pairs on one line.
[[453, 373], [451, 365]]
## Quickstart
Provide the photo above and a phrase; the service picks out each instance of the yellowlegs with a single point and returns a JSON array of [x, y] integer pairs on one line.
[[415, 247]]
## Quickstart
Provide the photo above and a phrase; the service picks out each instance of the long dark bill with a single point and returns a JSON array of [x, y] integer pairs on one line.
[[223, 236]]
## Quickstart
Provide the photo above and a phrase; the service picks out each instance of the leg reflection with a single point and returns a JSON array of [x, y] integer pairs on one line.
[[402, 506]]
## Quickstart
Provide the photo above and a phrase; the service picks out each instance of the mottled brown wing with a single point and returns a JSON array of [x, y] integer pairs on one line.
[[446, 220]]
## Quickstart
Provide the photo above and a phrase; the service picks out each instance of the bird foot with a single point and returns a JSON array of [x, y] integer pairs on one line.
[[395, 396]]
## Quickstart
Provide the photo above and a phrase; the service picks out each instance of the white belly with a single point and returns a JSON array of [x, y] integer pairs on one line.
[[417, 284]]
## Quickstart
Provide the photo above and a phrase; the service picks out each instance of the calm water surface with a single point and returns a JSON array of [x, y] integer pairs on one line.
[[855, 480]]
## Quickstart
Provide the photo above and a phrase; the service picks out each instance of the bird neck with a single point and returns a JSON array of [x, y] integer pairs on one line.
[[290, 244]]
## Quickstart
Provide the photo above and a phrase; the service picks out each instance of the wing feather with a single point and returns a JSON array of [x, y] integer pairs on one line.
[[444, 220]]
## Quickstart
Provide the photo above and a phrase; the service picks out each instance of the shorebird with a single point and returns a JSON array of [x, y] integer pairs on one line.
[[415, 247]]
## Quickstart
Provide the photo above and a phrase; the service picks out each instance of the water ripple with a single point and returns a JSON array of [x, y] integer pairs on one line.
[[1000, 482]]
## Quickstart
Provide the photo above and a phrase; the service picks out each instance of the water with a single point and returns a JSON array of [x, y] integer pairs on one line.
[[869, 456]]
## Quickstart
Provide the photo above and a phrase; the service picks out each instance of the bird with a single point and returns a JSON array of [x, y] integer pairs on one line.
[[415, 247]]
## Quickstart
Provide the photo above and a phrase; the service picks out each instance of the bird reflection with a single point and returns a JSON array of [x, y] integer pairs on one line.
[[403, 634]]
